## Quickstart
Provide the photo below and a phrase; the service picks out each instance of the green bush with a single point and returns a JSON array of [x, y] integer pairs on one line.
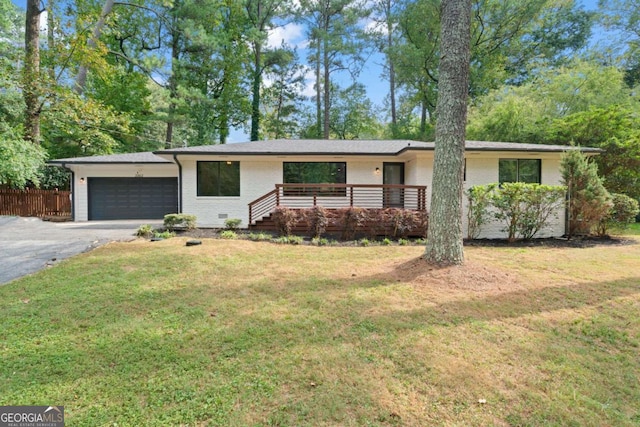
[[622, 213], [320, 241], [526, 208], [290, 240], [164, 234], [589, 202], [259, 237], [479, 201], [173, 221], [403, 242], [228, 234], [364, 242], [145, 231], [232, 223], [386, 241]]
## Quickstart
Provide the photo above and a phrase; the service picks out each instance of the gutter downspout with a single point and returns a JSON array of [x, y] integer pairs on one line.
[[175, 159]]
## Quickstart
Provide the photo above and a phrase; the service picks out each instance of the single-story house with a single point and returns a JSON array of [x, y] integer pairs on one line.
[[248, 180]]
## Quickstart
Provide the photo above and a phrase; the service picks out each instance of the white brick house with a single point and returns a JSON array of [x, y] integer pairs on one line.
[[217, 182]]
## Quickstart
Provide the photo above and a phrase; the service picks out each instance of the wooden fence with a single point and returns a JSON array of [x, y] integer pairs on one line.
[[30, 202]]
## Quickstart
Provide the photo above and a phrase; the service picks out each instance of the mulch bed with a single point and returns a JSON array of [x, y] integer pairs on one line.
[[555, 242]]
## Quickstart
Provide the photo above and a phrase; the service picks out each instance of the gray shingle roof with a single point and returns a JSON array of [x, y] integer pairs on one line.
[[145, 157], [303, 146], [354, 147], [308, 147]]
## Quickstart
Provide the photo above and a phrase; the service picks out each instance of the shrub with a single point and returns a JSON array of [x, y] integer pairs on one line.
[[349, 220], [588, 201], [228, 234], [232, 223], [402, 221], [479, 200], [295, 240], [403, 242], [320, 241], [317, 219], [164, 234], [173, 221], [525, 208], [420, 224], [145, 231], [386, 241], [284, 219], [622, 213], [364, 242], [259, 237]]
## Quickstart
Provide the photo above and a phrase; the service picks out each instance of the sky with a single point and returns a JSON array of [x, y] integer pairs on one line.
[[371, 75]]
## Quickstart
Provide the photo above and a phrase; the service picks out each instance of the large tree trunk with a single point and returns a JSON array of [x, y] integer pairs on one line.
[[392, 71], [318, 92], [255, 102], [31, 72], [81, 79], [327, 87], [51, 38], [173, 85], [444, 239]]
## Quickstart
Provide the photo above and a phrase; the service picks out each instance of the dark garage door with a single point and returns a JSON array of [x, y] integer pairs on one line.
[[132, 198]]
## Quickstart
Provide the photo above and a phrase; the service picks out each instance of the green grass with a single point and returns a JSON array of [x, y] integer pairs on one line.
[[238, 333]]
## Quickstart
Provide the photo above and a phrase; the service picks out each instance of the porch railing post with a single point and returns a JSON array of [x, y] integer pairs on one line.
[[351, 196]]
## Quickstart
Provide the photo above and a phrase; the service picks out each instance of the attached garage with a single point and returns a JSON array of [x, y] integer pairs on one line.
[[138, 186], [132, 198]]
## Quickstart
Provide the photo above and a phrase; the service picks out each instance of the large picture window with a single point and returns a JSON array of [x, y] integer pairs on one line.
[[520, 170], [218, 178], [315, 173]]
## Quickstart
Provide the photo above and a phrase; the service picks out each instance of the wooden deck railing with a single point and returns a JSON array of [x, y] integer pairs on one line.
[[336, 196], [34, 202]]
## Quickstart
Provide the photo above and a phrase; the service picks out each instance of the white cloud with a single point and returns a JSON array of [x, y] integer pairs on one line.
[[292, 34]]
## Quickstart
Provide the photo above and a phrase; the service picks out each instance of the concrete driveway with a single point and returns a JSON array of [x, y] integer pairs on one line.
[[29, 244]]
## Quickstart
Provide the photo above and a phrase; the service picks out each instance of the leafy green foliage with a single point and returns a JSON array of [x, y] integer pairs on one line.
[[232, 223], [145, 230], [186, 221], [588, 200], [622, 213], [228, 234], [616, 130], [479, 201], [20, 160], [525, 208]]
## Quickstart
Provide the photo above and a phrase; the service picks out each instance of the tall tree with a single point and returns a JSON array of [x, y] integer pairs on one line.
[[444, 239], [282, 96], [261, 14], [386, 18], [31, 72], [623, 17], [338, 45]]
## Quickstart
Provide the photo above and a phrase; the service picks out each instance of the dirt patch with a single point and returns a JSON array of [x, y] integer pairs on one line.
[[474, 276]]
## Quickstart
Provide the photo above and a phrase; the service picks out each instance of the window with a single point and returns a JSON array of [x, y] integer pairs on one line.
[[519, 170], [218, 178], [315, 173]]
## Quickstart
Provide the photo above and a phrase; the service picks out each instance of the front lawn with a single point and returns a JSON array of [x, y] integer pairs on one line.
[[239, 333]]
